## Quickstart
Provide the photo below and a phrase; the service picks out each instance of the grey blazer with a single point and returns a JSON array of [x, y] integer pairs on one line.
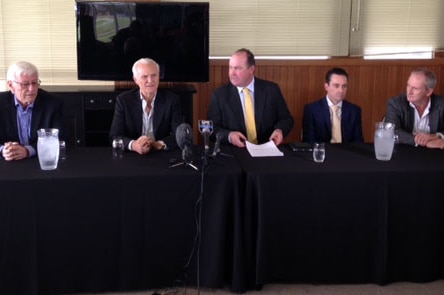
[[402, 114]]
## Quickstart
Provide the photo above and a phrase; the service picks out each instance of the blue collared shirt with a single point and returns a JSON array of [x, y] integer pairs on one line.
[[24, 117]]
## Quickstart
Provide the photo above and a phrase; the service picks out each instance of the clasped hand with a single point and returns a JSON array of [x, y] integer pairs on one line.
[[14, 151], [423, 138], [145, 144]]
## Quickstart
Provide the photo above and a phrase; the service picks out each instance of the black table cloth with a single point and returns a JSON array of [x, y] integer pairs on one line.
[[97, 224], [351, 219]]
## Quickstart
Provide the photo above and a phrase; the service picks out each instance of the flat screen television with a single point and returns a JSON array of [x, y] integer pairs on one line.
[[111, 36]]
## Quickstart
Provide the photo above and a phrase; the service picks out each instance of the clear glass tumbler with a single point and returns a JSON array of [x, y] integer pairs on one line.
[[118, 148], [319, 152]]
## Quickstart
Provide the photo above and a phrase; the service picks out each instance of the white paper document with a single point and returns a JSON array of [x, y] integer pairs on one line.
[[268, 149]]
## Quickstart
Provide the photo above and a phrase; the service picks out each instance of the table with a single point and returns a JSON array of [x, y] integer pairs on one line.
[[351, 219], [97, 224], [101, 225]]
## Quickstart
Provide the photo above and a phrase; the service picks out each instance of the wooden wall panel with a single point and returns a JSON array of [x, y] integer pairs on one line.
[[371, 83]]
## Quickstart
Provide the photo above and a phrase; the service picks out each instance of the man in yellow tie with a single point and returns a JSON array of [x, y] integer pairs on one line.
[[248, 108], [333, 119]]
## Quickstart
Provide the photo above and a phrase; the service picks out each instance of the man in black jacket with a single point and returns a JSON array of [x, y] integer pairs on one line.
[[146, 118], [25, 109], [272, 119]]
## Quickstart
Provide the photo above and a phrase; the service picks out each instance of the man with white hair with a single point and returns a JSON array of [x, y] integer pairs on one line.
[[146, 118], [24, 109], [418, 114]]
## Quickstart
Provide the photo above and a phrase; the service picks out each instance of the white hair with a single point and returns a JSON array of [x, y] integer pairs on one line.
[[145, 61], [20, 68]]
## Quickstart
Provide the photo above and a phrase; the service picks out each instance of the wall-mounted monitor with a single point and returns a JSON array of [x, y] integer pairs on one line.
[[111, 36]]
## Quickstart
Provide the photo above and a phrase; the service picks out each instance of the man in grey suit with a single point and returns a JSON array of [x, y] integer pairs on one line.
[[271, 119], [418, 114], [25, 109], [146, 118], [437, 143]]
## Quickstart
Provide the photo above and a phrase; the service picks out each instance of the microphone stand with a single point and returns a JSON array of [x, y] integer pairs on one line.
[[205, 158], [184, 163], [216, 148], [214, 155], [198, 219], [186, 155], [205, 128], [199, 203]]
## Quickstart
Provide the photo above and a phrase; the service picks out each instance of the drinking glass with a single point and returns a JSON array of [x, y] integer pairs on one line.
[[118, 148], [62, 150], [319, 152]]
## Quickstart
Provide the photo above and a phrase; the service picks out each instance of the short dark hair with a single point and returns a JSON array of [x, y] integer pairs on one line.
[[335, 71], [250, 56]]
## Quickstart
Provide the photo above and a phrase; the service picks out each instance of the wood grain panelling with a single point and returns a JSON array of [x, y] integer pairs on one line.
[[371, 83]]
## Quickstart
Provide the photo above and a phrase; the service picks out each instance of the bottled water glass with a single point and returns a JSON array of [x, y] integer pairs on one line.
[[319, 152], [118, 148]]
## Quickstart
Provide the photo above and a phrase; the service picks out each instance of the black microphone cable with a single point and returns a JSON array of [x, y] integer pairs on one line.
[[196, 242], [196, 248], [198, 220]]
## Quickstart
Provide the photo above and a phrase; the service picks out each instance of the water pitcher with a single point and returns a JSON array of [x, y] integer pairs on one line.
[[48, 148], [384, 140]]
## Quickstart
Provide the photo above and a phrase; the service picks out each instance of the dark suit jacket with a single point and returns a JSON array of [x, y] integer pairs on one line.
[[127, 120], [402, 115], [47, 113], [316, 126], [270, 111]]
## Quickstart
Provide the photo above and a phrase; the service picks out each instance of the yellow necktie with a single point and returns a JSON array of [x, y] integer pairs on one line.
[[249, 117], [336, 136]]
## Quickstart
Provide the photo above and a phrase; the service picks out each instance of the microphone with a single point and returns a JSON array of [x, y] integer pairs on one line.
[[206, 135], [216, 149], [184, 139], [206, 129]]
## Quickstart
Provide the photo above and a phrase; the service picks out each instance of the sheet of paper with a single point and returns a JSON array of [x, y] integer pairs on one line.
[[268, 149]]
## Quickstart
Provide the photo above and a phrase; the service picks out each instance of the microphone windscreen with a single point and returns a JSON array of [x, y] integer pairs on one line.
[[184, 135]]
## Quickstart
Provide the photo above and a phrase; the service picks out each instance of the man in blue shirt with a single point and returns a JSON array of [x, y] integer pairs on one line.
[[25, 109]]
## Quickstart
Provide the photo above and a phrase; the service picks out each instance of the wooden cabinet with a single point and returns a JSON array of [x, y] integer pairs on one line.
[[73, 118], [98, 116]]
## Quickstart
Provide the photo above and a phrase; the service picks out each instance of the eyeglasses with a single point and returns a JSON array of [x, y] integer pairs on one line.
[[27, 84]]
